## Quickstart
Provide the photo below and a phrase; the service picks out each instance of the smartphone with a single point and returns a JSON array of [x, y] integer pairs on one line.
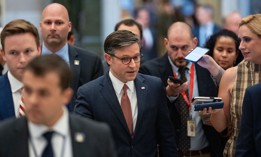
[[176, 80], [214, 105], [203, 99], [196, 54]]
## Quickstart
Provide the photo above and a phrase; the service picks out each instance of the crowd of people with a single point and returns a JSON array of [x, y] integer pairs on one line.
[[60, 100]]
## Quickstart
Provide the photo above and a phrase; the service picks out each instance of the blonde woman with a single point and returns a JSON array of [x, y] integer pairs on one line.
[[236, 79]]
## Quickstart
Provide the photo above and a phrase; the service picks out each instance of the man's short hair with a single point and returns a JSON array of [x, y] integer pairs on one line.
[[129, 22], [119, 39], [42, 65], [19, 26]]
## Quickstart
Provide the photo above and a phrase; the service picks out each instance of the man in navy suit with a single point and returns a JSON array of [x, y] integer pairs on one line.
[[249, 139], [20, 42], [140, 125], [206, 26], [178, 42], [48, 129], [55, 26]]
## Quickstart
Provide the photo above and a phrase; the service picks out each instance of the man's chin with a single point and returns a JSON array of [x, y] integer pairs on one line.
[[181, 63]]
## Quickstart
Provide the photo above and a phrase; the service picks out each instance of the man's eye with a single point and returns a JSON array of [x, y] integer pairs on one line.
[[43, 93], [27, 51], [48, 22], [15, 53], [125, 59], [58, 23]]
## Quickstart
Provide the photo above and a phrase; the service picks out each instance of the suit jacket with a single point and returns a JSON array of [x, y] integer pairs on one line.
[[14, 136], [85, 66], [97, 100], [249, 138], [6, 99], [195, 30], [161, 68]]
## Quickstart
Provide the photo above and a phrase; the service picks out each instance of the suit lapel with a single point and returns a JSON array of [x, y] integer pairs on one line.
[[141, 92], [108, 92], [75, 66]]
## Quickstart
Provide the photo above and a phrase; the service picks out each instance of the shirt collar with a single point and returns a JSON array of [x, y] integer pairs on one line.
[[15, 84], [175, 68], [61, 127], [117, 84], [63, 52]]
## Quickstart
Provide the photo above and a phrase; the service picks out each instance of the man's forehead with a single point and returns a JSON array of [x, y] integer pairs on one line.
[[55, 12]]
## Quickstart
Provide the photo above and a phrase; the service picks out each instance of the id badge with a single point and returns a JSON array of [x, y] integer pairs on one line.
[[191, 127]]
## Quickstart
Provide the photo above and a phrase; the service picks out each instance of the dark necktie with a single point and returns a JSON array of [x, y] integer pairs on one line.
[[48, 150], [126, 108], [184, 140]]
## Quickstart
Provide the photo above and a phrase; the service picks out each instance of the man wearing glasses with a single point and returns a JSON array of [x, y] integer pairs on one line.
[[133, 104]]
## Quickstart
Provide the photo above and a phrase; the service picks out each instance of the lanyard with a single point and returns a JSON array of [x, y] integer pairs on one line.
[[191, 86]]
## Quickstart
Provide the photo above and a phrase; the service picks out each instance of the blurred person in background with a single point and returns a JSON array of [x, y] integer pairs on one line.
[[71, 38], [149, 40], [235, 80], [232, 21], [224, 48], [206, 26]]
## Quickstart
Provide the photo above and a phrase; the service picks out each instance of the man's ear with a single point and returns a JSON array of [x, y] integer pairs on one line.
[[67, 95], [108, 58], [3, 54], [195, 42], [166, 41]]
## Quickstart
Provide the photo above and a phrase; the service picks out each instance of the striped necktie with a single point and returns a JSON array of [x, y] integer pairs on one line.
[[21, 111]]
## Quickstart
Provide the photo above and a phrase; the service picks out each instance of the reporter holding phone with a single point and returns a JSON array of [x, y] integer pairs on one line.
[[202, 139], [235, 81]]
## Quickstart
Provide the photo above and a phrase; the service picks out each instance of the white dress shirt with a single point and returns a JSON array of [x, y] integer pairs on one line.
[[199, 141], [16, 88], [118, 85], [61, 139]]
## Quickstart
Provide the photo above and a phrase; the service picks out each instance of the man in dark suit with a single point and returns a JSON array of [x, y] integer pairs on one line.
[[249, 139], [48, 129], [179, 42], [134, 105], [55, 26], [20, 43], [206, 26]]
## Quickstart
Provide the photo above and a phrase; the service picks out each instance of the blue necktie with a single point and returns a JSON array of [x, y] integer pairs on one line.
[[48, 150]]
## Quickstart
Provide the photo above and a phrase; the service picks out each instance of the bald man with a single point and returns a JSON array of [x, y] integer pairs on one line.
[[232, 21], [55, 26], [178, 42]]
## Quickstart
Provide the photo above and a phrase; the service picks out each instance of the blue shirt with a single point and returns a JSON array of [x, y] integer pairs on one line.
[[63, 52]]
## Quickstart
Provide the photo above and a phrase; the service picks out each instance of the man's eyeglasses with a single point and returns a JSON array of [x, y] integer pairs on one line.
[[127, 59]]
